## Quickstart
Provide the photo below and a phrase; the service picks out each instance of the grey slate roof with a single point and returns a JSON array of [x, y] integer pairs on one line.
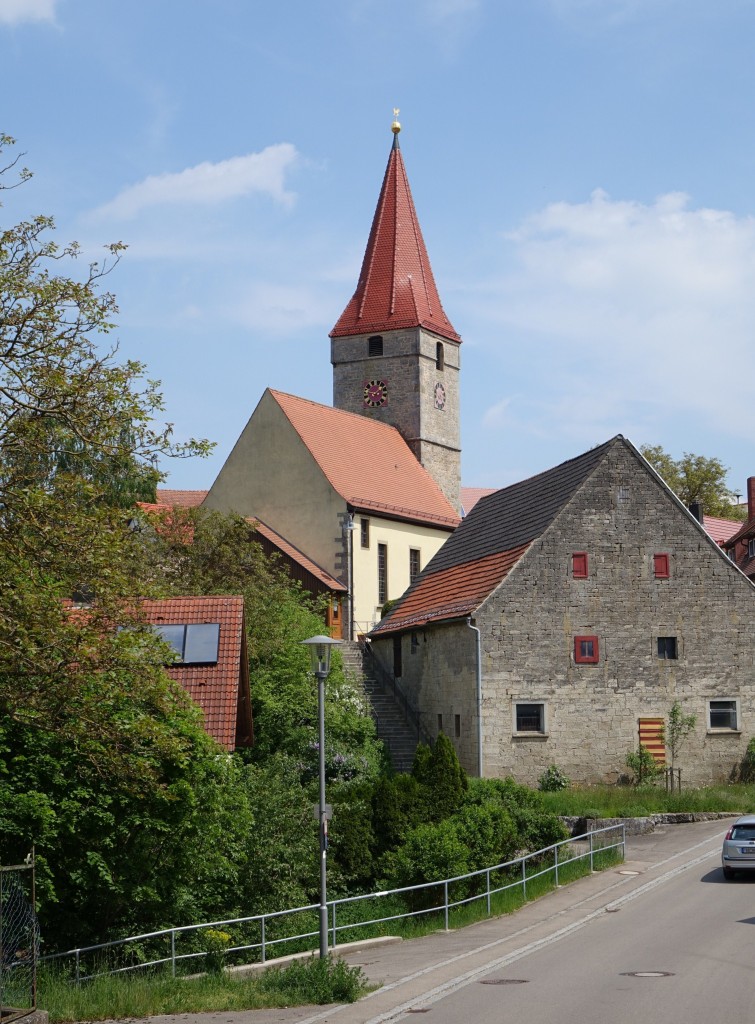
[[517, 514]]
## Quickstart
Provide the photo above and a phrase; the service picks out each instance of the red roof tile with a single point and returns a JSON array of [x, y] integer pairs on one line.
[[186, 499], [396, 287], [298, 556], [368, 463], [451, 593], [721, 530], [221, 690], [471, 495]]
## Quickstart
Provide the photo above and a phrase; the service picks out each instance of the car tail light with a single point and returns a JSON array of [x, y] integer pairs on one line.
[[728, 834]]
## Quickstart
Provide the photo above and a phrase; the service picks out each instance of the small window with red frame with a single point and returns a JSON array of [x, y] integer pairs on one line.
[[586, 650], [661, 567], [579, 565]]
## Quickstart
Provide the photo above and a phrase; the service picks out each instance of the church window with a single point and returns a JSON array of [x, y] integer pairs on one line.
[[375, 345], [382, 573], [364, 532], [440, 356], [413, 563]]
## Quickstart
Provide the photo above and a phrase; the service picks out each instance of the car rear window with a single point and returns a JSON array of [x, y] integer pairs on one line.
[[743, 832]]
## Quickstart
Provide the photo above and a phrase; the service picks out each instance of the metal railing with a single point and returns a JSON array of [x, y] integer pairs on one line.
[[414, 901]]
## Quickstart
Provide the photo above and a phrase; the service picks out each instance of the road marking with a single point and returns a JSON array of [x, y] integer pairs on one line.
[[439, 992]]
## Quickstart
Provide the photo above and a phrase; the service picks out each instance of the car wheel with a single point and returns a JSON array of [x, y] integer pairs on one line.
[[728, 874]]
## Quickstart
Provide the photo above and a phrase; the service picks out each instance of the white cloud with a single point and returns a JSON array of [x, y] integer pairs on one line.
[[635, 313], [282, 309], [14, 11], [209, 183]]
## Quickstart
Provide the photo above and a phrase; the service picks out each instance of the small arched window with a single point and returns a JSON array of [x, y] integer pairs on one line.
[[375, 345], [440, 356]]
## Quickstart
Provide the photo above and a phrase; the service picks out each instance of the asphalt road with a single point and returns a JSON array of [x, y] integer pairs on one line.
[[661, 938]]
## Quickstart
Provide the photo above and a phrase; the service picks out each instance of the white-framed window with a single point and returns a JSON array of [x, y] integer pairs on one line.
[[723, 715], [530, 718]]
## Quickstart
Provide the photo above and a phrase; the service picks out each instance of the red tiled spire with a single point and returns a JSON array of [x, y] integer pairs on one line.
[[396, 287]]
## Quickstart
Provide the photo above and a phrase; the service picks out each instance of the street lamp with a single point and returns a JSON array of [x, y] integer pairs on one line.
[[319, 652]]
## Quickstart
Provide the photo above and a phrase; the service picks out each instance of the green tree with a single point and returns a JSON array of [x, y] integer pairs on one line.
[[678, 729], [695, 478]]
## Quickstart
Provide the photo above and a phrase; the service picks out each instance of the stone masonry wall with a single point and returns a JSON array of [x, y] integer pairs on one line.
[[620, 517], [408, 367]]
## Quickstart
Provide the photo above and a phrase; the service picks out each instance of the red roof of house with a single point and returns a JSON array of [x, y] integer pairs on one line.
[[471, 495], [297, 556], [452, 593], [721, 530], [368, 463], [186, 499], [396, 288], [221, 690]]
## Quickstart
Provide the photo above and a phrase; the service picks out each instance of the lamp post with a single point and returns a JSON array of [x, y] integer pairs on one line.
[[319, 652]]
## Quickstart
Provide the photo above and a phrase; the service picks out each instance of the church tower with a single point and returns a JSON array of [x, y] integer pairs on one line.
[[394, 352]]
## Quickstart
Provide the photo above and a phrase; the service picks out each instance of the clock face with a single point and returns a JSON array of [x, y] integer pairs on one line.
[[440, 396], [375, 393]]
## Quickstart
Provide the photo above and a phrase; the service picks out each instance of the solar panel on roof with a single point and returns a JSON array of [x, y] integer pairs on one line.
[[195, 644]]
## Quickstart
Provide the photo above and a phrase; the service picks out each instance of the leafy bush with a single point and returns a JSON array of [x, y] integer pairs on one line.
[[216, 943], [538, 829], [553, 779], [747, 767], [316, 980], [643, 766]]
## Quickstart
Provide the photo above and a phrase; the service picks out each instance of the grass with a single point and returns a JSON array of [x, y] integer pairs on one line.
[[306, 981], [127, 996], [635, 802]]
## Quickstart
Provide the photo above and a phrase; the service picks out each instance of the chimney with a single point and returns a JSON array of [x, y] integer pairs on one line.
[[750, 497], [696, 509]]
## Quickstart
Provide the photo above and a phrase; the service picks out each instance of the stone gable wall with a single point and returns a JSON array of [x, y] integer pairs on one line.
[[621, 517]]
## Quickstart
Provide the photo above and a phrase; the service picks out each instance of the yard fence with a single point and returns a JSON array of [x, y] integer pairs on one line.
[[19, 941], [258, 938]]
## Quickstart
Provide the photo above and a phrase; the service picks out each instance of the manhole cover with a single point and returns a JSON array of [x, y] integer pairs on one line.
[[647, 974], [628, 872], [504, 981]]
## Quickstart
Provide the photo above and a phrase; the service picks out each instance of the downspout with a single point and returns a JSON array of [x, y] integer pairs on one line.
[[478, 674], [350, 570]]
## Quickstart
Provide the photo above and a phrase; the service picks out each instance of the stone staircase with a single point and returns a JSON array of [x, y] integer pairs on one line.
[[399, 737]]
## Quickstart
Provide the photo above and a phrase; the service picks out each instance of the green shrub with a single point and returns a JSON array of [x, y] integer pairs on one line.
[[643, 766], [553, 779], [537, 829], [747, 767], [215, 943], [316, 980]]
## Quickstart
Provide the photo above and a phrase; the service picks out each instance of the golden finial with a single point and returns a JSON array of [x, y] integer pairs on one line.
[[396, 126]]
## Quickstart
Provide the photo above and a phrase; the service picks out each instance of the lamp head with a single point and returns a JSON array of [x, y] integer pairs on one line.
[[319, 653]]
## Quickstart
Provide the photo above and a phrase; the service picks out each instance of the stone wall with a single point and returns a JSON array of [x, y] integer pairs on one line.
[[621, 517]]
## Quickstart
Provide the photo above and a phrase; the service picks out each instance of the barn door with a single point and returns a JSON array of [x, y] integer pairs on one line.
[[651, 736]]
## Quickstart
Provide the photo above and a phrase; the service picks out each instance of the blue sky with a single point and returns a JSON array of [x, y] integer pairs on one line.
[[583, 171]]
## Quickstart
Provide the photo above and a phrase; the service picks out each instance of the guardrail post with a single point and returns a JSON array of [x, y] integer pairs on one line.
[[173, 951], [555, 851], [487, 876], [78, 975], [592, 866], [263, 938], [445, 895], [524, 878], [333, 941]]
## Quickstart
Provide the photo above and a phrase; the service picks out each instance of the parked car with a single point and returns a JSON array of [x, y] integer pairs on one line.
[[738, 853]]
